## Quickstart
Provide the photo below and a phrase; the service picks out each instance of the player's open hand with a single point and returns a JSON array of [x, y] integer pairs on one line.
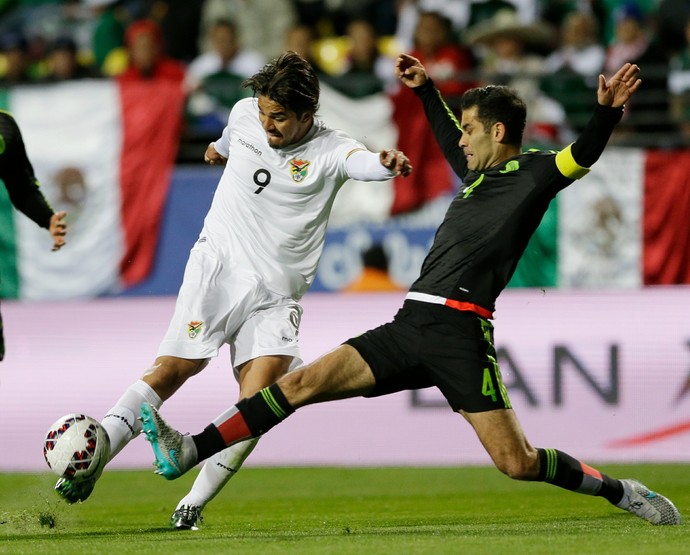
[[396, 161], [616, 91], [410, 71], [212, 157], [58, 230]]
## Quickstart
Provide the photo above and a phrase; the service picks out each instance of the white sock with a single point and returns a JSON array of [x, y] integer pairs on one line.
[[122, 421], [216, 472]]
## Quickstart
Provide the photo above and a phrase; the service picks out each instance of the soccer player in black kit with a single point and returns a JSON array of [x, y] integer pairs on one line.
[[442, 336], [23, 188]]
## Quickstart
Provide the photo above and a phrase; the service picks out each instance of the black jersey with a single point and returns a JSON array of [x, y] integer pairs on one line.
[[18, 174], [489, 222]]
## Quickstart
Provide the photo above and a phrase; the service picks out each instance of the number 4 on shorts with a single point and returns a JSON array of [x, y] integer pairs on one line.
[[488, 388]]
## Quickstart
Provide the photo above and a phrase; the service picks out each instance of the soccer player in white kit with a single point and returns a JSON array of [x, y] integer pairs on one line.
[[255, 257]]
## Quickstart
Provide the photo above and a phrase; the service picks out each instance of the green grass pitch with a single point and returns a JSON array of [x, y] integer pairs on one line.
[[469, 510]]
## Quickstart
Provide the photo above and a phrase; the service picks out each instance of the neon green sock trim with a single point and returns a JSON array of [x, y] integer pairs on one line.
[[551, 462], [273, 404]]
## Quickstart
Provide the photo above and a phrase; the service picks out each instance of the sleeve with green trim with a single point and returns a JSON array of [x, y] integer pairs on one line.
[[444, 125]]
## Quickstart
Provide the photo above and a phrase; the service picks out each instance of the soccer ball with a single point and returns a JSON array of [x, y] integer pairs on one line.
[[76, 447]]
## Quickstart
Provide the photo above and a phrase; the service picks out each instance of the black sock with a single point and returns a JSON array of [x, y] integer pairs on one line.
[[562, 470], [265, 409], [209, 442], [249, 418]]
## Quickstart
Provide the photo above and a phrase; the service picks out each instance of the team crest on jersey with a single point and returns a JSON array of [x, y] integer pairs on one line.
[[299, 169], [511, 166], [194, 328]]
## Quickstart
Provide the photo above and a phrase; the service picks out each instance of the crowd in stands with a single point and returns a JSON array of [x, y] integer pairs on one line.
[[550, 50]]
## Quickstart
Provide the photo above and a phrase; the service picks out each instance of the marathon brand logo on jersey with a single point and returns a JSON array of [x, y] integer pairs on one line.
[[250, 146], [299, 169], [194, 328]]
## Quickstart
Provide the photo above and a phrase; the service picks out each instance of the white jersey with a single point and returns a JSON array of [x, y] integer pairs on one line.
[[271, 207]]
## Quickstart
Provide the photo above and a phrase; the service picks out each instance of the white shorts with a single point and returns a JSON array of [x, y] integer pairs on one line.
[[218, 305]]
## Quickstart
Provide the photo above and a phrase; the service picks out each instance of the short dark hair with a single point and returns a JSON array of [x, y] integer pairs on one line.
[[498, 103], [289, 80]]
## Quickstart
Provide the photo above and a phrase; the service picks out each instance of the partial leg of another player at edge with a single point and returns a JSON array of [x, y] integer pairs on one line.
[[343, 373]]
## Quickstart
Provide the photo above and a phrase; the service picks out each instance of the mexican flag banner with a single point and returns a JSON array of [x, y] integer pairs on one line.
[[622, 226], [104, 152], [599, 224]]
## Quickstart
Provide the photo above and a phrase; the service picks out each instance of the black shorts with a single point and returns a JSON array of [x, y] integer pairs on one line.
[[434, 345]]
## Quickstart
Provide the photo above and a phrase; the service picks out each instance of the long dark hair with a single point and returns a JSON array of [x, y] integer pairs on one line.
[[290, 81]]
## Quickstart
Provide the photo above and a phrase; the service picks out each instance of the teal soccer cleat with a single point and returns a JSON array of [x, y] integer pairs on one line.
[[175, 453]]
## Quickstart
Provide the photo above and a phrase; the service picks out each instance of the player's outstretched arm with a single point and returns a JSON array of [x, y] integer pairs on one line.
[[617, 91], [365, 165], [58, 229], [612, 94], [395, 161], [410, 71]]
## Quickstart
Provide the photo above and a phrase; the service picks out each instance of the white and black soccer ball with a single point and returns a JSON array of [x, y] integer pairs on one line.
[[76, 446]]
